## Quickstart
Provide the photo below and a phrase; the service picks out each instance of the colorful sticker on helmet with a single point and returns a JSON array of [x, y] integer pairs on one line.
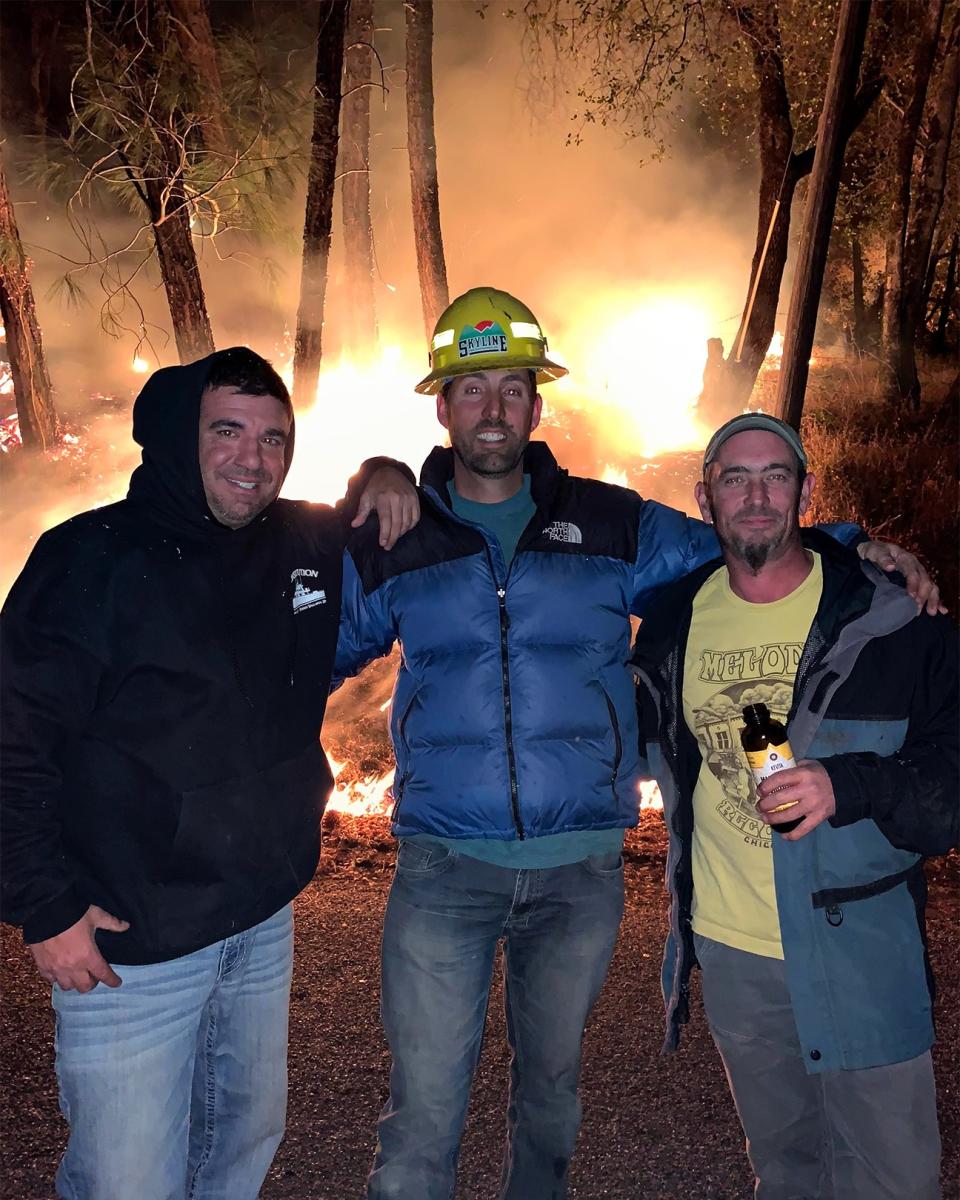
[[486, 337]]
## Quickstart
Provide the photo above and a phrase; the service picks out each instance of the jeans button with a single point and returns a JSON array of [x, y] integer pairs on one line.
[[815, 1055]]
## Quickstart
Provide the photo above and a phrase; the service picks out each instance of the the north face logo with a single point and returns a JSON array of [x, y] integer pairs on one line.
[[563, 531]]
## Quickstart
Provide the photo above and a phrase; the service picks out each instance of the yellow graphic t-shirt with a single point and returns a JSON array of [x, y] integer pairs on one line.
[[738, 653]]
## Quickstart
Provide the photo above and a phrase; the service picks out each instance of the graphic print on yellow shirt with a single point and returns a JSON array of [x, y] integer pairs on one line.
[[738, 653]]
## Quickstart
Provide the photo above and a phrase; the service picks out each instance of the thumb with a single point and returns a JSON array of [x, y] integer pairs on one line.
[[104, 920], [363, 511]]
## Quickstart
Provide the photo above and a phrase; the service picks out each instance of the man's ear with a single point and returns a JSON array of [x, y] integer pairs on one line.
[[536, 411], [442, 410], [703, 501], [806, 492]]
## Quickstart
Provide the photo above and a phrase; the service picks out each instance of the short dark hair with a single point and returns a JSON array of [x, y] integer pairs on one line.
[[448, 384], [244, 369]]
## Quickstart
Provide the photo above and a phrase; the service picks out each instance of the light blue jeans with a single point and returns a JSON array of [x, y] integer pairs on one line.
[[174, 1084], [445, 917]]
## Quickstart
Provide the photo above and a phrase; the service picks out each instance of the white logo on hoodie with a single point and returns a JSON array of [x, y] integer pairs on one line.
[[304, 594]]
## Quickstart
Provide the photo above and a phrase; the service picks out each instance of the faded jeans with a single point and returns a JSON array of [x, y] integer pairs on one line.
[[445, 917], [174, 1084]]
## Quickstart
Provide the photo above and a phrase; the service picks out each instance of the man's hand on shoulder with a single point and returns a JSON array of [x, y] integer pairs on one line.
[[396, 502], [890, 557], [72, 960], [806, 788]]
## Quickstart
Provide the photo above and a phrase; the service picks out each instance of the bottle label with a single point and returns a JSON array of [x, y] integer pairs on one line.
[[764, 763]]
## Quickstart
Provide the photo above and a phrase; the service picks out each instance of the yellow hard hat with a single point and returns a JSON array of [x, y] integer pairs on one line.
[[487, 330]]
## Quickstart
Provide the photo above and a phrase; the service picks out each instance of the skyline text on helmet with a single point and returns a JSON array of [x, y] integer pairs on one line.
[[486, 337]]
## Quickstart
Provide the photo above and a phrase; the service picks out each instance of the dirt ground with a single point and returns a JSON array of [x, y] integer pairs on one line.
[[654, 1128]]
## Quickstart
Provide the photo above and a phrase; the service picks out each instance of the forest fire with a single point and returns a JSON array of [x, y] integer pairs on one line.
[[626, 410], [637, 412]]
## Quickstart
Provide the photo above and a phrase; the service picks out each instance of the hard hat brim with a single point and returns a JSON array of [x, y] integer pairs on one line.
[[547, 371]]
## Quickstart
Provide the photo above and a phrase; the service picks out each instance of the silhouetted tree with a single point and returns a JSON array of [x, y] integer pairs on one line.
[[308, 347], [422, 149]]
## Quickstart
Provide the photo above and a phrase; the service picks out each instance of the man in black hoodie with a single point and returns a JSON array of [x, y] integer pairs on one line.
[[166, 664]]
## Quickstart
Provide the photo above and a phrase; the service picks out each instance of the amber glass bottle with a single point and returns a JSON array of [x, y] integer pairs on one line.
[[764, 740]]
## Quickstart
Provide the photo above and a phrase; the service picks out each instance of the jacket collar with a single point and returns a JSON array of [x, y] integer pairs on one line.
[[847, 592], [436, 474]]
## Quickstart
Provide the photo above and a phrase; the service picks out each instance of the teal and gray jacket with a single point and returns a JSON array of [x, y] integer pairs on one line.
[[875, 701]]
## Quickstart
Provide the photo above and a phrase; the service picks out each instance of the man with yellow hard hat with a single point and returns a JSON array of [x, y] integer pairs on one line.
[[518, 767]]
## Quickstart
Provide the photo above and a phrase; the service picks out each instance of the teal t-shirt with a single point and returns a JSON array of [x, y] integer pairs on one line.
[[506, 520]]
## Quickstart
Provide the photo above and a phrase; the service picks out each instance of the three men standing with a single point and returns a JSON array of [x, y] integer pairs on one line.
[[166, 663], [810, 941]]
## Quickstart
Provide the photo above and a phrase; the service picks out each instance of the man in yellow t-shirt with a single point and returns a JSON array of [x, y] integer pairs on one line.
[[738, 653], [809, 936]]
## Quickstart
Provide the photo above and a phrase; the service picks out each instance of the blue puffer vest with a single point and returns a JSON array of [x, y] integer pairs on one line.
[[514, 713]]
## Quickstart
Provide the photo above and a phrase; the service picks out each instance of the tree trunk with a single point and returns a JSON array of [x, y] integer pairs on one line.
[[319, 210], [360, 308], [821, 202], [731, 387], [422, 149], [39, 426], [939, 343], [937, 255], [44, 28], [897, 345], [179, 268], [780, 172], [929, 196], [859, 306], [191, 21]]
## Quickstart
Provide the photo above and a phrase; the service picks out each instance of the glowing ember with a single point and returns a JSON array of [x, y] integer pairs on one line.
[[359, 411], [612, 474], [140, 365], [776, 346], [364, 797], [650, 795], [371, 795], [642, 372], [9, 434]]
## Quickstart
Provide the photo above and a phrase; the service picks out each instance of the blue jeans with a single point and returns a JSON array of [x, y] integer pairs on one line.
[[174, 1084], [445, 916]]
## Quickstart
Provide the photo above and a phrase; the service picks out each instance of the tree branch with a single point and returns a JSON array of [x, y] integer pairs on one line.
[[801, 163]]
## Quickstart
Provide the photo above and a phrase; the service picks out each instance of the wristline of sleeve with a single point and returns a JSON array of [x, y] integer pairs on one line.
[[56, 916], [369, 467], [851, 802]]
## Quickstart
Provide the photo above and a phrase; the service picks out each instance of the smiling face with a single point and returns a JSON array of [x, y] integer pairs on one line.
[[242, 441], [490, 416], [754, 497]]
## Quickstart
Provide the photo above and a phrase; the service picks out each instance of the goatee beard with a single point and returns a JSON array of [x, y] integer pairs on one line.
[[755, 555]]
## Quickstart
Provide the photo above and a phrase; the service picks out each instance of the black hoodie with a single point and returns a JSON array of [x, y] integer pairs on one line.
[[164, 683]]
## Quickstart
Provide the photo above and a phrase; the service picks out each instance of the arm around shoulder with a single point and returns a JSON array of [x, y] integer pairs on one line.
[[366, 627]]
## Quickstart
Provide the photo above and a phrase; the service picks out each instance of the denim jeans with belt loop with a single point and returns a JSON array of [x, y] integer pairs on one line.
[[174, 1084], [445, 917]]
